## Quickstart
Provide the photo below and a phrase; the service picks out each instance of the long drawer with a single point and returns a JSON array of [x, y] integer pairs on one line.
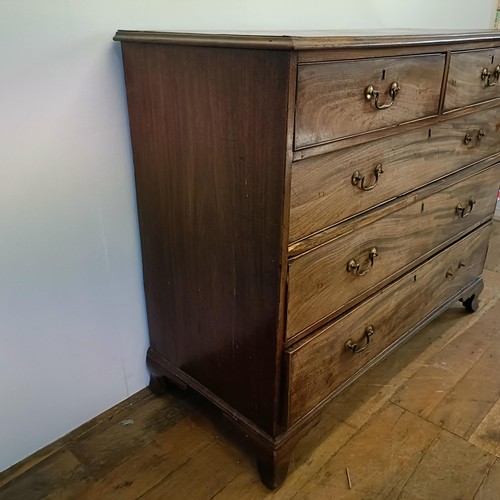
[[474, 77], [321, 281], [323, 189], [322, 362], [339, 99]]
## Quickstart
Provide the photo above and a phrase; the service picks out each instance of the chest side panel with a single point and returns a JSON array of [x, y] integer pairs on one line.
[[209, 136]]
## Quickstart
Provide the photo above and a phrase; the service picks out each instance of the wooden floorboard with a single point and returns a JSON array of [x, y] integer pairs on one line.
[[424, 423], [450, 468]]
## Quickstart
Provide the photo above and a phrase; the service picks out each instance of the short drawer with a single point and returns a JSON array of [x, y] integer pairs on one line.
[[340, 272], [329, 188], [321, 363], [473, 77], [340, 99]]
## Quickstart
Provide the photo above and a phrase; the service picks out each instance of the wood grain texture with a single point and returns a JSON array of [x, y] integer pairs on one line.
[[322, 191], [376, 470], [331, 100], [209, 136], [60, 476], [493, 263], [364, 219], [150, 465], [45, 453], [319, 282], [445, 371], [320, 363], [310, 39], [477, 392], [107, 446], [358, 429], [491, 485], [214, 130], [346, 142], [465, 86], [211, 466], [440, 473], [487, 434], [344, 53]]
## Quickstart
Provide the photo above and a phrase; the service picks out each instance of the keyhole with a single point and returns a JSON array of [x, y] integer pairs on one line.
[[430, 133], [383, 74], [423, 207], [415, 278], [492, 59]]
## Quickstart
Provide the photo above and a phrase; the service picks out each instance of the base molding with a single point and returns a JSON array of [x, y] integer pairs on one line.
[[273, 452]]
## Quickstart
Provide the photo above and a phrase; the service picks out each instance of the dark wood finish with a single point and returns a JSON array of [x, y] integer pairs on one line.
[[320, 364], [319, 283], [465, 86], [445, 78], [368, 217], [272, 454], [322, 189], [477, 284], [331, 100], [437, 387], [471, 300], [240, 247], [392, 131], [304, 40], [273, 469], [210, 199], [158, 385], [342, 54]]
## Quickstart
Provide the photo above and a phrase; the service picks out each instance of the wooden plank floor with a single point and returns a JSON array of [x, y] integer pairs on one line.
[[424, 424]]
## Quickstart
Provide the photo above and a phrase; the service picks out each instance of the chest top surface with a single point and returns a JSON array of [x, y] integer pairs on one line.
[[309, 40]]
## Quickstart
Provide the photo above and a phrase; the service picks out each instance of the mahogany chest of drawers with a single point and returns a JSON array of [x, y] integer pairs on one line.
[[306, 203]]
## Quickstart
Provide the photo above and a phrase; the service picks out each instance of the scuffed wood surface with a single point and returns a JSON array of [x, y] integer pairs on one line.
[[322, 191], [319, 283], [331, 100], [319, 365], [310, 39], [356, 421], [210, 173], [465, 86]]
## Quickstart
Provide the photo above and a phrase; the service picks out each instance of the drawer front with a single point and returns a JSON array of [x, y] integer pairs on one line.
[[323, 280], [332, 103], [473, 77], [320, 364], [323, 191]]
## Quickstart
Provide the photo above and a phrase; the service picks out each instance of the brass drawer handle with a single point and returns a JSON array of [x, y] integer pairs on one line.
[[357, 178], [486, 75], [468, 137], [371, 92], [461, 210], [353, 266], [450, 272], [355, 348]]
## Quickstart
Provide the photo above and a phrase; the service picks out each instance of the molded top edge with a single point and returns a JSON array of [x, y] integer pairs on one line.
[[306, 40]]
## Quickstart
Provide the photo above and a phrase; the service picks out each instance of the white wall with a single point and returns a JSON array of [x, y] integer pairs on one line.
[[73, 332]]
